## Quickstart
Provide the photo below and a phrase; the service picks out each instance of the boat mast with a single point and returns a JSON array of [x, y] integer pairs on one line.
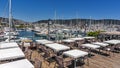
[[90, 24], [10, 18]]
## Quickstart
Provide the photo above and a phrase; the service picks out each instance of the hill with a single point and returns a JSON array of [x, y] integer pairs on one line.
[[15, 21], [81, 21]]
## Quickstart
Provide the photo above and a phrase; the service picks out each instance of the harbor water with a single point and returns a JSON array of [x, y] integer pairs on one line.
[[30, 35]]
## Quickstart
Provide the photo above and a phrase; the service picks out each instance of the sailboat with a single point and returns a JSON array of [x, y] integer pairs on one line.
[[9, 32]]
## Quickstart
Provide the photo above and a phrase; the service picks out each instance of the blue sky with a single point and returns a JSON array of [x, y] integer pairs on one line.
[[33, 10]]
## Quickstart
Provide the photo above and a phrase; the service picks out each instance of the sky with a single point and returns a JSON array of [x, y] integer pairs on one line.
[[34, 10]]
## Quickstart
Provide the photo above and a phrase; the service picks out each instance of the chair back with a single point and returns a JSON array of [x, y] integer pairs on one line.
[[47, 54], [29, 54], [59, 60], [38, 63]]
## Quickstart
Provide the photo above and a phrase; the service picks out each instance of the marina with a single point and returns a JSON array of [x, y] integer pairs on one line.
[[57, 42]]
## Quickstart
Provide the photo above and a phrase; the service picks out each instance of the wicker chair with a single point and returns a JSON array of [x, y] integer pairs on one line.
[[29, 54], [117, 47], [48, 56], [38, 63], [110, 49], [61, 63], [33, 45], [41, 49]]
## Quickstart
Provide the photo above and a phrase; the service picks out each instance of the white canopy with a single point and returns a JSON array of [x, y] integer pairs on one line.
[[24, 63], [92, 46], [43, 41], [113, 42], [57, 47], [101, 44], [11, 53], [75, 53], [77, 39], [89, 37], [8, 45], [68, 40], [26, 44]]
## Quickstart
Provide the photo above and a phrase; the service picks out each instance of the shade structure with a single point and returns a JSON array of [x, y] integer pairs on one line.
[[101, 44], [11, 53], [113, 42], [77, 39], [111, 33], [88, 37], [75, 53], [68, 40], [8, 45], [26, 44], [91, 46], [24, 63], [43, 41], [57, 47]]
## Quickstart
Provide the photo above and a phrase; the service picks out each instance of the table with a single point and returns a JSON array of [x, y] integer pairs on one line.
[[77, 39], [90, 46], [113, 42], [11, 53], [43, 41], [68, 40], [8, 45], [57, 47], [89, 37], [24, 63], [26, 44], [101, 44], [75, 54]]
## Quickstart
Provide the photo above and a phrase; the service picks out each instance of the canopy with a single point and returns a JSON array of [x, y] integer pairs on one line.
[[101, 44], [92, 46], [68, 40], [8, 45], [11, 53], [76, 39], [57, 47], [24, 63], [113, 42], [43, 41], [75, 53], [89, 37]]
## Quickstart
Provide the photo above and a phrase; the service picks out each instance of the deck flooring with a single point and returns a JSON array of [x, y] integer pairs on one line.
[[96, 61]]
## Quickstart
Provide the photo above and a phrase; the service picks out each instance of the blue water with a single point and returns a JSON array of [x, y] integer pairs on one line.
[[30, 35]]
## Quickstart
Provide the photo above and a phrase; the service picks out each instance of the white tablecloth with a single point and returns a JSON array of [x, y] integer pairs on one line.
[[92, 46], [24, 63], [113, 42], [68, 40], [101, 44], [57, 47], [44, 41], [77, 39], [11, 53], [8, 45], [26, 44], [75, 53], [89, 37]]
